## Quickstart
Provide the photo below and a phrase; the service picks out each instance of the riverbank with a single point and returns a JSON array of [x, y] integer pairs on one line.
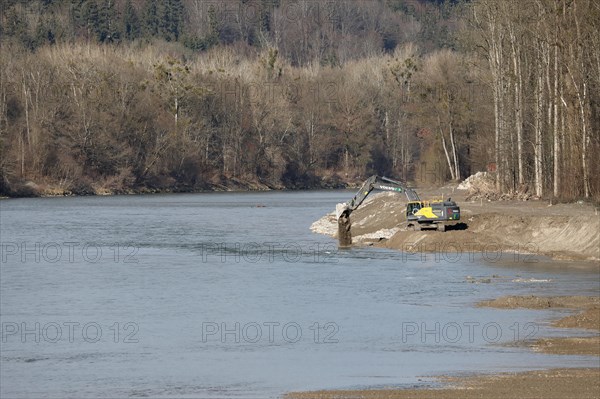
[[587, 317], [555, 383], [547, 384], [560, 231], [28, 188]]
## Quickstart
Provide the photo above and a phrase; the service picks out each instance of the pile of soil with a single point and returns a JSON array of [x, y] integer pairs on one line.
[[566, 231], [480, 181], [482, 185]]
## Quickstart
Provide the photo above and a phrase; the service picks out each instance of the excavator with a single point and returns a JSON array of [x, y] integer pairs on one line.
[[420, 215]]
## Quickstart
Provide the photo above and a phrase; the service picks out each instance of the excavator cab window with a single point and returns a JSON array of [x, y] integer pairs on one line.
[[412, 208]]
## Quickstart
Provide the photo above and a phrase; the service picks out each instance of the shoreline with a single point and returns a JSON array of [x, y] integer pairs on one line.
[[33, 189], [586, 317], [538, 235], [547, 383], [575, 383], [162, 192]]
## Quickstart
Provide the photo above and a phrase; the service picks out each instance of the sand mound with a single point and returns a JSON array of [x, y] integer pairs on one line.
[[481, 181], [380, 217], [570, 232]]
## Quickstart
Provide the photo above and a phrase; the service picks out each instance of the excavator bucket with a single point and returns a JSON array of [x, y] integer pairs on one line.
[[344, 233], [340, 209], [342, 214]]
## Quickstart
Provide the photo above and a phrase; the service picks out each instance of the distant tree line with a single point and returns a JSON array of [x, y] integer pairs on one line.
[[112, 96], [304, 31]]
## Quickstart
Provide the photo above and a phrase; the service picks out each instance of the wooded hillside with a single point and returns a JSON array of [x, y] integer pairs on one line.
[[100, 96]]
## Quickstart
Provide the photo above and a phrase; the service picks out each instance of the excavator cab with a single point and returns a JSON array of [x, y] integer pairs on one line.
[[412, 208]]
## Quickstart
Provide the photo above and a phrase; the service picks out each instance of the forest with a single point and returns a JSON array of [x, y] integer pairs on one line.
[[123, 96]]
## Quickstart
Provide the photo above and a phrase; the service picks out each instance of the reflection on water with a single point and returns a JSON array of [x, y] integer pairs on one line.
[[231, 295]]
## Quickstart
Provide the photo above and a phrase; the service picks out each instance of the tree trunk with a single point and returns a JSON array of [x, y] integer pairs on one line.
[[26, 96], [497, 136], [452, 171], [454, 153], [556, 129], [455, 166], [518, 84], [491, 27], [22, 145], [548, 93], [538, 148], [585, 141], [582, 99]]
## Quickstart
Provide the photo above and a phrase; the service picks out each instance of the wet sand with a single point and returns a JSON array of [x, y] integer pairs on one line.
[[549, 384], [587, 317], [555, 383]]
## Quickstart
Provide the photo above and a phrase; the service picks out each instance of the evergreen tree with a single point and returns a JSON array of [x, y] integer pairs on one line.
[[77, 14], [131, 23], [265, 15], [91, 16], [44, 33], [16, 26], [108, 28], [151, 21], [213, 21], [172, 19]]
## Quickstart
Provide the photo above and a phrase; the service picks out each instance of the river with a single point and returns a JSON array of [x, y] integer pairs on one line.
[[230, 295]]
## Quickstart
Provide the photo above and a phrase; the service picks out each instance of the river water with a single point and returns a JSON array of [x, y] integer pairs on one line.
[[231, 295]]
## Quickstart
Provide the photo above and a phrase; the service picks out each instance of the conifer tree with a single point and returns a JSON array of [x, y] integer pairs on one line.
[[131, 22], [151, 21]]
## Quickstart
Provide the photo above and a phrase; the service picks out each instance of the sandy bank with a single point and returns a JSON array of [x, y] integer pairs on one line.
[[587, 317], [565, 231], [549, 384], [556, 383]]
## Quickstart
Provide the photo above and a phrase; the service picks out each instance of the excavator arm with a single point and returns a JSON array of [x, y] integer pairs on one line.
[[374, 183], [419, 214]]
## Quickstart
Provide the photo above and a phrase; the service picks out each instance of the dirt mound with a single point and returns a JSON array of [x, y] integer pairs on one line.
[[560, 237], [482, 181], [567, 231], [482, 185], [327, 225], [380, 217]]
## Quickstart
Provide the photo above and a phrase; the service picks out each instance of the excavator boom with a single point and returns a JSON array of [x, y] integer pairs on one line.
[[372, 183]]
